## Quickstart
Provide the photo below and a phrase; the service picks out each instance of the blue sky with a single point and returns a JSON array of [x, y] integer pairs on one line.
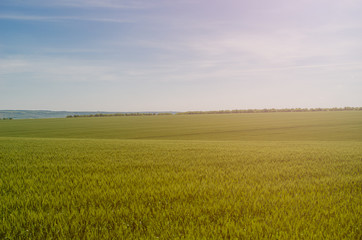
[[123, 55]]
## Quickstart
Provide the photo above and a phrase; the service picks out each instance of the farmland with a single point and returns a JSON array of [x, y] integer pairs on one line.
[[305, 126], [232, 176]]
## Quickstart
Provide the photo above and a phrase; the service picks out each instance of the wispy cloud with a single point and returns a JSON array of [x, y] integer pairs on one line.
[[105, 3], [284, 49], [60, 18], [56, 70], [119, 4]]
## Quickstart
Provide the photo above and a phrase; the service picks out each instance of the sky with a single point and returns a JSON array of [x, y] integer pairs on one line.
[[179, 55]]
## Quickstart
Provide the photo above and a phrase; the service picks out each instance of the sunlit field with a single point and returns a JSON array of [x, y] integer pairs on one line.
[[233, 176]]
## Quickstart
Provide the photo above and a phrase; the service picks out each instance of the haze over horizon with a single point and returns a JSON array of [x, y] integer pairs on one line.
[[123, 55]]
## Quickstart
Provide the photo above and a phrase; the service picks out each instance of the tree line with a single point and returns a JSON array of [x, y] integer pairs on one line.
[[118, 114], [265, 110]]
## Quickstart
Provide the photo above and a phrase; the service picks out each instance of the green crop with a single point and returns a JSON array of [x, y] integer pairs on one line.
[[303, 126], [62, 179]]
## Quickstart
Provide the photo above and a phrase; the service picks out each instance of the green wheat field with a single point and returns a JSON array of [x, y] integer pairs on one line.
[[212, 176]]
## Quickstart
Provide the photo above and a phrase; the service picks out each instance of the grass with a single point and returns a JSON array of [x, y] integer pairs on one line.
[[183, 177]]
